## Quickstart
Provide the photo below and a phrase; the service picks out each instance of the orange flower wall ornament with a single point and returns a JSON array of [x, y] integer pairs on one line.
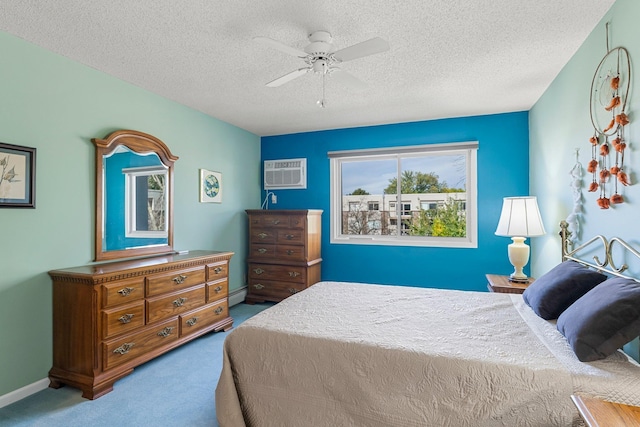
[[609, 97]]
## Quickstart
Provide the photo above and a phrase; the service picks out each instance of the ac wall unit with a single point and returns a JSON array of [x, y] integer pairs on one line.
[[285, 174]]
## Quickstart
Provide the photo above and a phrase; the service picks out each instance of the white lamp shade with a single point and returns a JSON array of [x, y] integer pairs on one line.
[[520, 217]]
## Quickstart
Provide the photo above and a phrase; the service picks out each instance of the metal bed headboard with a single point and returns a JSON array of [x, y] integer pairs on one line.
[[608, 265]]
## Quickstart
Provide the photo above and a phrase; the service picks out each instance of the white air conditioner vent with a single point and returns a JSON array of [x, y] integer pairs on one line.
[[285, 174]]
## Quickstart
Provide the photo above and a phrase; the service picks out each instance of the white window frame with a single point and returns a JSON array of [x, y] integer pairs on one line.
[[468, 149], [130, 205]]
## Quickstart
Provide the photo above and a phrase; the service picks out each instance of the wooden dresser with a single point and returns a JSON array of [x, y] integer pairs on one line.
[[284, 253], [109, 318]]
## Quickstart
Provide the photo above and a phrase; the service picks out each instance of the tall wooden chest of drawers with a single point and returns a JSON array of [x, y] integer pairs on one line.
[[109, 318], [284, 253]]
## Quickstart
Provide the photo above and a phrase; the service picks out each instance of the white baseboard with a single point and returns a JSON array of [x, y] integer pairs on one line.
[[21, 393], [237, 296]]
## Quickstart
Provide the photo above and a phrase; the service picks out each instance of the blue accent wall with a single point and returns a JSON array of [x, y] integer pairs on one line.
[[503, 159]]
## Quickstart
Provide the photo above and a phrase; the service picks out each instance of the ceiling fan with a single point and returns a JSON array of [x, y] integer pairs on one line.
[[321, 57]]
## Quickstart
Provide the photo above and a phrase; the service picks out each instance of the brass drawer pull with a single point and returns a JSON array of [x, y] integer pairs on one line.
[[126, 291], [124, 348], [218, 310], [125, 318], [258, 270], [218, 270], [262, 250], [218, 289], [263, 235], [293, 291], [293, 274], [289, 236], [290, 252], [258, 286], [192, 321], [276, 221], [180, 279], [179, 302], [165, 332]]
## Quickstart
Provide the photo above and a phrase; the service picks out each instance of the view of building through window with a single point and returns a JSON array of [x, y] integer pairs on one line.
[[431, 202], [416, 195]]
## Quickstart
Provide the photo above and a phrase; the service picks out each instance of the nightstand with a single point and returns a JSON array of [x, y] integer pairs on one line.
[[596, 412], [501, 284]]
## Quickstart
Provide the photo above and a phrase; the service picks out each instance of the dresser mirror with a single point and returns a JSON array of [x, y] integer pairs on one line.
[[134, 196]]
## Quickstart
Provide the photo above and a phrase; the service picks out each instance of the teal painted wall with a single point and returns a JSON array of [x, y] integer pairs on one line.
[[503, 158], [57, 106], [560, 122]]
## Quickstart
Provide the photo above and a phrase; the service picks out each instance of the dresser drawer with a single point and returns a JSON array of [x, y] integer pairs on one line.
[[271, 221], [218, 289], [127, 348], [270, 289], [122, 319], [290, 237], [203, 317], [169, 282], [262, 250], [297, 221], [263, 235], [287, 273], [217, 270], [122, 291], [289, 252], [159, 308]]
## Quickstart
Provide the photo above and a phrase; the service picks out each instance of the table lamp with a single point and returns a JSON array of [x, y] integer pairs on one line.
[[520, 218]]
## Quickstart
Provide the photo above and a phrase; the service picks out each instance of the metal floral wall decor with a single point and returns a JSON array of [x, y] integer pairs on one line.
[[608, 103]]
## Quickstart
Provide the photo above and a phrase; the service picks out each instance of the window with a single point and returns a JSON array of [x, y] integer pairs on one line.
[[145, 202], [433, 205], [428, 206], [405, 209]]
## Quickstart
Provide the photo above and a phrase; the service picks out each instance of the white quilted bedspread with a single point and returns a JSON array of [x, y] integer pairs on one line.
[[345, 354]]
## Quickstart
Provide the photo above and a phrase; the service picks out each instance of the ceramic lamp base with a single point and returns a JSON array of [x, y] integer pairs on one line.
[[518, 257]]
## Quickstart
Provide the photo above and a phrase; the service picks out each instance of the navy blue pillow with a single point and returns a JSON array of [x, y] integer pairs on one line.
[[603, 320], [560, 287]]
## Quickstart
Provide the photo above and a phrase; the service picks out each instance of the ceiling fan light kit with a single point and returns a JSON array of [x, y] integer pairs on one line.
[[321, 57]]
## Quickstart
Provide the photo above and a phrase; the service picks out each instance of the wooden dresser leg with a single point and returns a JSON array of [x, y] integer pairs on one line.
[[94, 393], [53, 383]]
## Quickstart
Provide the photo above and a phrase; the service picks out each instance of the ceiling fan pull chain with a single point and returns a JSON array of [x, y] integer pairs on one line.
[[321, 102]]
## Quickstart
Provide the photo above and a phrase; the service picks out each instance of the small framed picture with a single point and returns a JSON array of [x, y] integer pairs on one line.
[[210, 186], [17, 176]]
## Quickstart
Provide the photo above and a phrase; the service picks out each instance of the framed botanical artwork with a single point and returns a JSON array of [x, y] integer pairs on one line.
[[210, 186], [17, 176]]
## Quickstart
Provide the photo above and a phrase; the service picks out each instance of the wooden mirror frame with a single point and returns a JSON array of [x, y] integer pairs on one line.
[[140, 143]]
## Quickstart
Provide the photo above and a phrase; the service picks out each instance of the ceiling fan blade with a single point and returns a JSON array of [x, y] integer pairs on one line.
[[347, 79], [281, 47], [288, 77], [366, 48]]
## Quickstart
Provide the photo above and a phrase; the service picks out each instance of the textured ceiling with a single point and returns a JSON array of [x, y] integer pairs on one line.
[[448, 58]]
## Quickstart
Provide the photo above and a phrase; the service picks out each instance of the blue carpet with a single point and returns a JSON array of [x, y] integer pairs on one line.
[[175, 389]]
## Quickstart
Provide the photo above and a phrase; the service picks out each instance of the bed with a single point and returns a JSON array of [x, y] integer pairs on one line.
[[349, 354]]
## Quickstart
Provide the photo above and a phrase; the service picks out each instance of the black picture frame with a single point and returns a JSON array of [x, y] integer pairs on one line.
[[17, 176]]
